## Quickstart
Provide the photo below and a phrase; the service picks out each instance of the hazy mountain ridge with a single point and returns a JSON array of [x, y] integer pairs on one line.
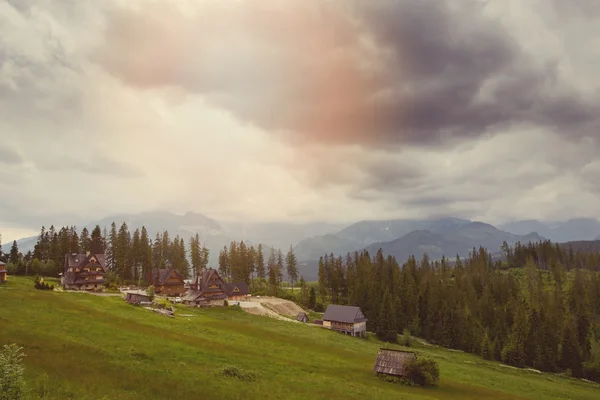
[[558, 231]]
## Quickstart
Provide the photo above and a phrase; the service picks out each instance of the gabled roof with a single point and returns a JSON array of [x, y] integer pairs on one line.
[[242, 289], [301, 316], [161, 276], [2, 264], [392, 362], [80, 260], [345, 314]]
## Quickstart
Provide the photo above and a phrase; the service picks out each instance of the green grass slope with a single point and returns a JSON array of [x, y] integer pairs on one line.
[[81, 346]]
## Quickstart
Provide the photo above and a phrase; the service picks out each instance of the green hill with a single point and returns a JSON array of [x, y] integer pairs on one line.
[[81, 346]]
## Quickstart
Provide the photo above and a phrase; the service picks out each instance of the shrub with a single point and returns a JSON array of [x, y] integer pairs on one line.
[[225, 303], [231, 371], [423, 371], [12, 383], [406, 339], [150, 292]]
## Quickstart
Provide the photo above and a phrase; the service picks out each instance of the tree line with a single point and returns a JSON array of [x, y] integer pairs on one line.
[[241, 262], [129, 257], [538, 306]]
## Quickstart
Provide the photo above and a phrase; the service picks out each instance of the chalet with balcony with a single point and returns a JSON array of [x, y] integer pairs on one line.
[[3, 272], [348, 320], [207, 289], [84, 271], [167, 281]]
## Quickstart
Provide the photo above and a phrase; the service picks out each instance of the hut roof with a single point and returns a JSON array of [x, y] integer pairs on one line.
[[345, 314], [392, 362], [301, 316]]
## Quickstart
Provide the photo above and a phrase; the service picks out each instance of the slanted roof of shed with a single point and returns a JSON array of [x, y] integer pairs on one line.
[[392, 362], [345, 314], [2, 264], [301, 316]]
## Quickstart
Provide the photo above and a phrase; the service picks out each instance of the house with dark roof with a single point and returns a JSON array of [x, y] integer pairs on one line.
[[302, 317], [345, 319], [3, 272], [167, 281], [393, 362], [84, 271], [207, 289], [236, 291]]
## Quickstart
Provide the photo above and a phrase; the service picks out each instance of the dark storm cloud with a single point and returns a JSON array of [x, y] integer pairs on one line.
[[443, 71]]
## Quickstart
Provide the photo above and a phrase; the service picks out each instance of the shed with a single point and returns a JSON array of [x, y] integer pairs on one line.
[[3, 272], [393, 362], [345, 319], [136, 297], [302, 317]]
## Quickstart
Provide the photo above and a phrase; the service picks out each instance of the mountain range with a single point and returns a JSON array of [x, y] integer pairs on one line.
[[400, 237]]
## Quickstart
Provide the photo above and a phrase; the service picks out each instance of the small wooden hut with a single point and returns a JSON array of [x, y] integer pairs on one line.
[[137, 297], [392, 362], [302, 317]]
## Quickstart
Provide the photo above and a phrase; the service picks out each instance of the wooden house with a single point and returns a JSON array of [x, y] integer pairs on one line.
[[84, 271], [137, 297], [167, 281], [393, 362], [237, 291], [302, 317], [207, 289], [3, 272], [345, 319]]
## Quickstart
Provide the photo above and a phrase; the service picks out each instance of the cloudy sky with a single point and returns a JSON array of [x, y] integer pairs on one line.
[[298, 110]]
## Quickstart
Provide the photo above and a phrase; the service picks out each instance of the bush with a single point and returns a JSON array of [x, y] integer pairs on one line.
[[423, 371], [319, 307], [12, 383], [231, 371], [150, 292], [406, 339], [225, 303]]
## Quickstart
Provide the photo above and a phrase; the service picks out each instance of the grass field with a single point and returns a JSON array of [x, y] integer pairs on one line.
[[81, 346]]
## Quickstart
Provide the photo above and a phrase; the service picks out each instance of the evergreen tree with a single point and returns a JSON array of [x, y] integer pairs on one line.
[[279, 267], [272, 271], [14, 255], [85, 241], [224, 263], [145, 256], [386, 323], [312, 298], [97, 244], [260, 265], [292, 267]]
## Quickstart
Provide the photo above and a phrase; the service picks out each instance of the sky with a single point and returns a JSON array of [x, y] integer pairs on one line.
[[298, 110]]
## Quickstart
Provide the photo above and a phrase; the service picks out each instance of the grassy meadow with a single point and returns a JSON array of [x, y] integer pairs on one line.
[[81, 346]]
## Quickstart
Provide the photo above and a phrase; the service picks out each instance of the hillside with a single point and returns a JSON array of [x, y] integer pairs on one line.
[[89, 347]]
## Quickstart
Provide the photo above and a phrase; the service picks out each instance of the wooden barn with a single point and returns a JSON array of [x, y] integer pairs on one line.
[[137, 296], [393, 362], [167, 281], [348, 320], [302, 317], [84, 271], [3, 272]]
